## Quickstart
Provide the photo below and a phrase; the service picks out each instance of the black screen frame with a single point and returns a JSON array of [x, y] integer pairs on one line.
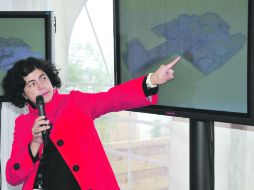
[[48, 26], [199, 114]]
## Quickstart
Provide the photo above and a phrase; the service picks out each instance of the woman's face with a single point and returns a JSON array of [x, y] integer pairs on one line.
[[38, 83]]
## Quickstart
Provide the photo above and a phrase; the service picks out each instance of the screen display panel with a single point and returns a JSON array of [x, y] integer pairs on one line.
[[214, 77]]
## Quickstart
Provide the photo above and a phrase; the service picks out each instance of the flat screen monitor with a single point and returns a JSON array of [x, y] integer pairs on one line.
[[214, 80], [24, 34]]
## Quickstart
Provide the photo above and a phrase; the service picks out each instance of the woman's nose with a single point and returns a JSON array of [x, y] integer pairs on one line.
[[40, 85]]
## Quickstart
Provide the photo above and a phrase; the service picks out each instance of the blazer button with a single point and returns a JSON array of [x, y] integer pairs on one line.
[[16, 166], [60, 142], [75, 168]]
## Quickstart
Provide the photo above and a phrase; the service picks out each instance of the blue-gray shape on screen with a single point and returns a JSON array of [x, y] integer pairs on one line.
[[203, 40], [12, 50]]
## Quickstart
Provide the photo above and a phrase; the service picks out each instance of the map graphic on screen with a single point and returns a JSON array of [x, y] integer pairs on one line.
[[205, 41]]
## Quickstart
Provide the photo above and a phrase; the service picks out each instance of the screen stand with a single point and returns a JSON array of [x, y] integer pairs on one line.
[[201, 155]]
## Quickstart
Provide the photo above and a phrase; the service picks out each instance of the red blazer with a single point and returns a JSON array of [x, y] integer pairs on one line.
[[74, 135]]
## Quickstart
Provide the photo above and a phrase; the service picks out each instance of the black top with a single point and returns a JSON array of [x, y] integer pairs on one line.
[[53, 172]]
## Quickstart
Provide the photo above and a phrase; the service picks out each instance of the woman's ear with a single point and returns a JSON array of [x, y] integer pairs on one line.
[[24, 96]]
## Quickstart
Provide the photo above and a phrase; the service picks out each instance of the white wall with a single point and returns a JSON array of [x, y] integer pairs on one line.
[[234, 156]]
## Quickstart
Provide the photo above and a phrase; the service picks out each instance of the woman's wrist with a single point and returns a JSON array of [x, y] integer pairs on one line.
[[34, 147], [151, 81]]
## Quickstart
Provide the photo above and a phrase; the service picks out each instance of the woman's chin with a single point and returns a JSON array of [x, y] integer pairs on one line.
[[47, 97]]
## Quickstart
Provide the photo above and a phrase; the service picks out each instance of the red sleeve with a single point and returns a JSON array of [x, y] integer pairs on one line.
[[20, 164], [125, 96]]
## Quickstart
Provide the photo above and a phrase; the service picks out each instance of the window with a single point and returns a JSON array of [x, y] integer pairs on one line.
[[90, 65]]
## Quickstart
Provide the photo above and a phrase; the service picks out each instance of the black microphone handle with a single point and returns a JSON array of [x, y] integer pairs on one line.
[[41, 110], [45, 134]]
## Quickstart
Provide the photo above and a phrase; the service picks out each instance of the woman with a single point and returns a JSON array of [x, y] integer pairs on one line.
[[73, 157]]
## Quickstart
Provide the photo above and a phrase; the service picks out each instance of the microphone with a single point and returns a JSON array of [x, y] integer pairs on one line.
[[41, 110]]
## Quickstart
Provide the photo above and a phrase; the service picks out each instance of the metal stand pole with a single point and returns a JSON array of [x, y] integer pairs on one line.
[[201, 155]]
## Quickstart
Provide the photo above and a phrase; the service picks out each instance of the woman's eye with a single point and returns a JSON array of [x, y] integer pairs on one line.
[[31, 84], [44, 78]]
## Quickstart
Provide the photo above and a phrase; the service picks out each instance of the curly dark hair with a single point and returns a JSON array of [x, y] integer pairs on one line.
[[14, 83]]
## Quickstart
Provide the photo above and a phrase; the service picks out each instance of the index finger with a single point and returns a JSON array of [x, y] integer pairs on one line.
[[40, 118], [174, 62]]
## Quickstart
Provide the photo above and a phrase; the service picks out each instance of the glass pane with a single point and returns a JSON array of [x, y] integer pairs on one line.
[[91, 47]]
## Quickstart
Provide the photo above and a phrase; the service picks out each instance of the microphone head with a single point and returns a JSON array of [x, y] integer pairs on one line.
[[39, 100]]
